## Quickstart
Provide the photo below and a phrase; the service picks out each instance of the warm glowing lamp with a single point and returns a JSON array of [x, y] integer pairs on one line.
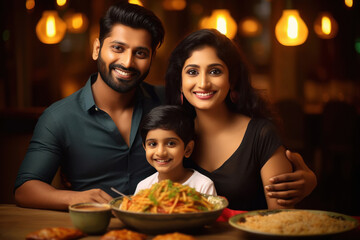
[[51, 28], [61, 3], [250, 27], [221, 20], [349, 3], [137, 2], [325, 26], [174, 5], [30, 4], [291, 29], [76, 22]]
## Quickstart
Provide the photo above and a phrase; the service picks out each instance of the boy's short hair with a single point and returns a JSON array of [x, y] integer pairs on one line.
[[169, 117]]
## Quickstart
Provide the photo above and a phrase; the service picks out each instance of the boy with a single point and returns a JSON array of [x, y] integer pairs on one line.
[[168, 136]]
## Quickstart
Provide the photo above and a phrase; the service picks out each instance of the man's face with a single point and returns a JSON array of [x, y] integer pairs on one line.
[[125, 57]]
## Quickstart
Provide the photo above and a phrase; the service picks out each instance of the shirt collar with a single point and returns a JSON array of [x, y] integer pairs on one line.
[[87, 97]]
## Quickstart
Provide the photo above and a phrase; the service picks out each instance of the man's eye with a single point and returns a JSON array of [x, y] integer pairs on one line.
[[118, 48], [215, 71], [192, 72], [141, 54]]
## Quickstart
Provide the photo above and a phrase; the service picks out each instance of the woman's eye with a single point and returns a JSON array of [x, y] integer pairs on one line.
[[192, 72], [215, 71]]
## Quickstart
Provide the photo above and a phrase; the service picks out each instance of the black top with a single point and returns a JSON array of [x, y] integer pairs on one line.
[[239, 179]]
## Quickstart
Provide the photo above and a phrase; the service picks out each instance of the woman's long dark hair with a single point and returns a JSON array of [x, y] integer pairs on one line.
[[248, 101]]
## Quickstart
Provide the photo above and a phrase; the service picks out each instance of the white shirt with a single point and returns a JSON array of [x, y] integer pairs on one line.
[[200, 182]]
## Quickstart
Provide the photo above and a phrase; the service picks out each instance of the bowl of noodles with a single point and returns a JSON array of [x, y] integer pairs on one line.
[[166, 207]]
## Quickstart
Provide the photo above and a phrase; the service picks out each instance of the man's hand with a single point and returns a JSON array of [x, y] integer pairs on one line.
[[291, 188], [38, 194], [93, 195]]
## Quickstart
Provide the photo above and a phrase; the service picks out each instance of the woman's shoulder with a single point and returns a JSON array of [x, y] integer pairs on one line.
[[261, 123]]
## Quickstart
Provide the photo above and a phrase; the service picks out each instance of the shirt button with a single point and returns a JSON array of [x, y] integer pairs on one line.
[[96, 109]]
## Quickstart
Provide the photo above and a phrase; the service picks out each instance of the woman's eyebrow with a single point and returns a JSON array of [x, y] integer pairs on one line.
[[191, 65]]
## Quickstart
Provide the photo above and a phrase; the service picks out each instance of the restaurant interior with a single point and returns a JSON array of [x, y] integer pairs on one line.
[[311, 76]]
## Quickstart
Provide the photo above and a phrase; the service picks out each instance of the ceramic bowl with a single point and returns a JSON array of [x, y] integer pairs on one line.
[[154, 223], [91, 218]]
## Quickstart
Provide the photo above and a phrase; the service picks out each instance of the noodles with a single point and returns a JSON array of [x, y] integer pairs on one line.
[[167, 197]]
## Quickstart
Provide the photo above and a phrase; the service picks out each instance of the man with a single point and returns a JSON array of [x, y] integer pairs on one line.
[[93, 134]]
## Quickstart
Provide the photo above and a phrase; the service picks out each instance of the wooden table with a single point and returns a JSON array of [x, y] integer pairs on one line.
[[16, 223]]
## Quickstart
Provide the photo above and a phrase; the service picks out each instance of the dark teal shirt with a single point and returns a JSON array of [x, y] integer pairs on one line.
[[81, 138]]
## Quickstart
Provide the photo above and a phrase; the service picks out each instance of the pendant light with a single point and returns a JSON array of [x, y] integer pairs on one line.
[[325, 26], [51, 28], [291, 30], [221, 20]]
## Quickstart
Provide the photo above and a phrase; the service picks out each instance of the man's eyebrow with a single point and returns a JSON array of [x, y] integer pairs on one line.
[[144, 49], [118, 42]]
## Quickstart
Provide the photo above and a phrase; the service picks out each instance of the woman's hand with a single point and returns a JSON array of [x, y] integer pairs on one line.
[[291, 188]]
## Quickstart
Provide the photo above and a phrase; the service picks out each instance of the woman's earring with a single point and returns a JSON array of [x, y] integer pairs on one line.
[[182, 98], [234, 96]]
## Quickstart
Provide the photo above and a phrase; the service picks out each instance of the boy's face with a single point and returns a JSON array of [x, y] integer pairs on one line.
[[165, 151]]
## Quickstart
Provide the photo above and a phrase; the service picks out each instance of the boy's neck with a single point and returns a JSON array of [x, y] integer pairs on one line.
[[179, 176]]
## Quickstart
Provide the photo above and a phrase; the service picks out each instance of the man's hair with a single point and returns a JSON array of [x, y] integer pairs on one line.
[[169, 117], [134, 16]]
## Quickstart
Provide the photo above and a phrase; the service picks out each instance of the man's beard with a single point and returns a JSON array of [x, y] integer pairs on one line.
[[118, 84]]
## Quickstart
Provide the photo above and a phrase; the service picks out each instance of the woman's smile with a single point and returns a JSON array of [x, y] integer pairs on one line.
[[204, 95]]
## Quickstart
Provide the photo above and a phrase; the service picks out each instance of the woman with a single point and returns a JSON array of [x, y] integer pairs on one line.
[[237, 146]]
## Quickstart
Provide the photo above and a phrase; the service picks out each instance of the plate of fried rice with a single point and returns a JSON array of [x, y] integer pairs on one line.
[[293, 222]]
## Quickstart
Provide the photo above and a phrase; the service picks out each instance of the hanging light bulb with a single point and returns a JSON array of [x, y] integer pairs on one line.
[[250, 27], [291, 30], [349, 3], [76, 22], [61, 3], [50, 29], [137, 2], [325, 26], [174, 5], [30, 4], [221, 20]]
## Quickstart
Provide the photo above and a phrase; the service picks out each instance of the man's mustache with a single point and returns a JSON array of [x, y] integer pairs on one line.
[[113, 65]]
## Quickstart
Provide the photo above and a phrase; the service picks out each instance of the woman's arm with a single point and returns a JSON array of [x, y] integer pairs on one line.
[[277, 164], [290, 188]]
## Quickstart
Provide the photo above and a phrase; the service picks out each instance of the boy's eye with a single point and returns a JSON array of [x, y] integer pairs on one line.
[[192, 72], [151, 144], [171, 144]]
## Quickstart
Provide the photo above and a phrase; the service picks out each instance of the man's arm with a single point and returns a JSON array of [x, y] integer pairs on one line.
[[38, 194], [291, 188]]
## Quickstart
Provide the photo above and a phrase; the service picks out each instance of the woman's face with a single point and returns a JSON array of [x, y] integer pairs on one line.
[[205, 79]]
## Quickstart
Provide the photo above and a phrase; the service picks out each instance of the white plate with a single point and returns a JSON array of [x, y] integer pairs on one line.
[[233, 221]]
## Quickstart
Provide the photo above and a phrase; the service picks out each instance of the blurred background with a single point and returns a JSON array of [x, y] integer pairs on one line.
[[304, 54]]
